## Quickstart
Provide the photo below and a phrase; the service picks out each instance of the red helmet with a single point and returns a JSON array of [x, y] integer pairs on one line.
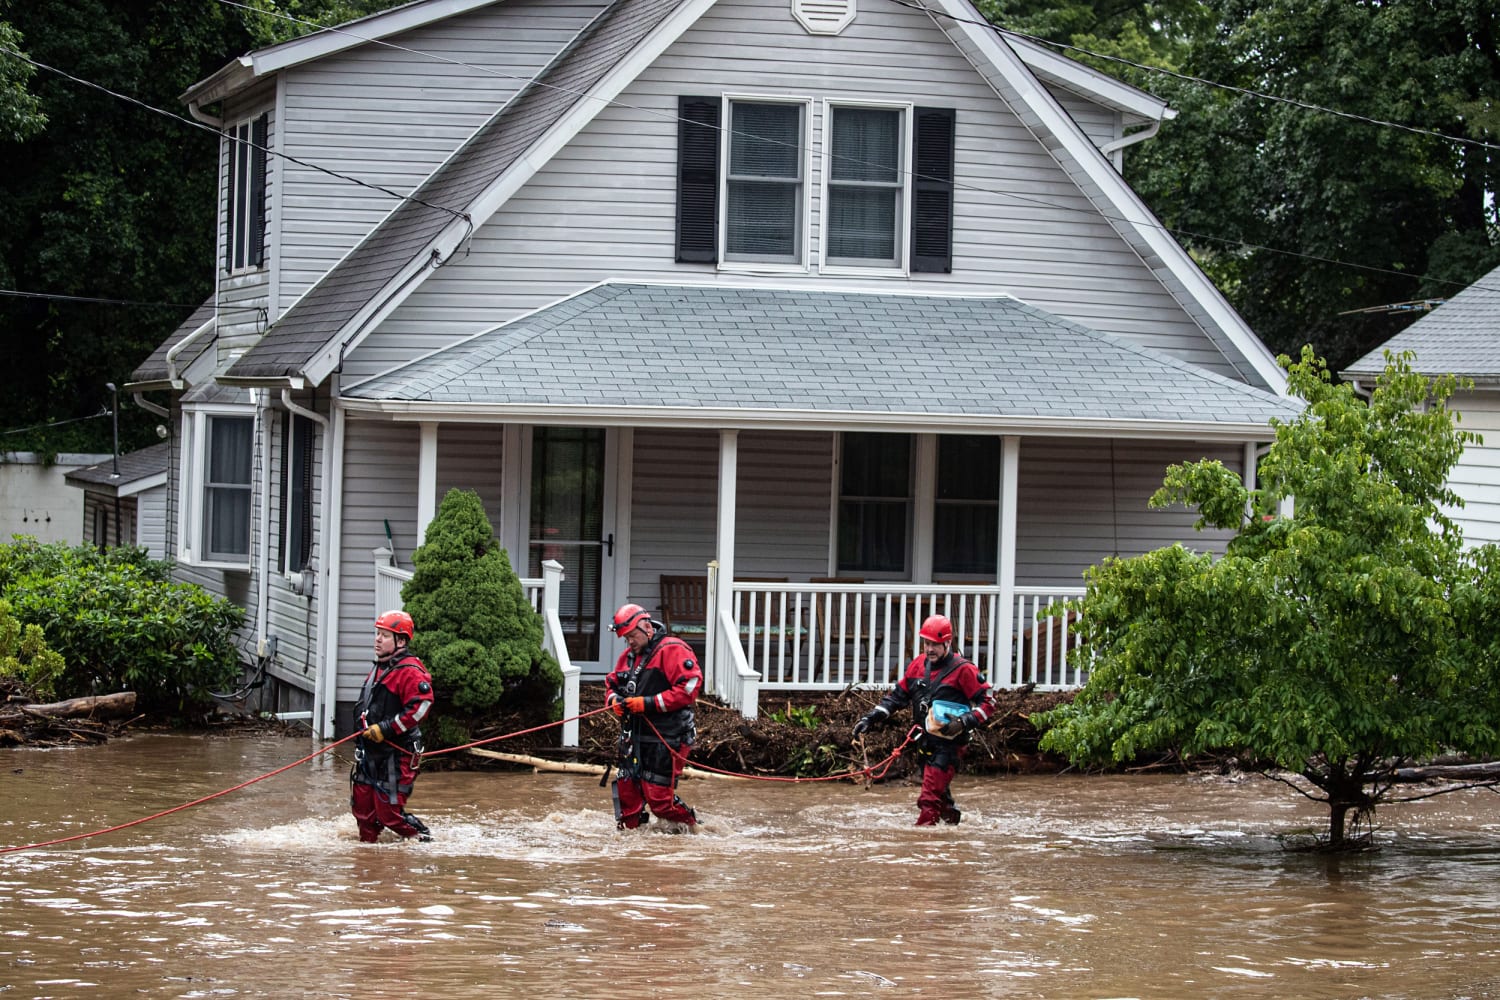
[[398, 622], [628, 618], [937, 628]]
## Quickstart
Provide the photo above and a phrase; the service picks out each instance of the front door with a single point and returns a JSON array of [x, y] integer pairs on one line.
[[571, 521]]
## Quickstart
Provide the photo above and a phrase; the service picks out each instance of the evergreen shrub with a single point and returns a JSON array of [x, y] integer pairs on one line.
[[476, 631]]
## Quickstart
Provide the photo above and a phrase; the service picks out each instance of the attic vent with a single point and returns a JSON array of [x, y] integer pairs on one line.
[[824, 17]]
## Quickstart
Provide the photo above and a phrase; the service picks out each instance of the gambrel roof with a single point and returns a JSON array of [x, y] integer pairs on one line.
[[1459, 337], [724, 356], [332, 318]]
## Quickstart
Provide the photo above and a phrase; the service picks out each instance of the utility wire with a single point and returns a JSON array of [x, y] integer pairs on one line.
[[58, 423], [1188, 78], [55, 297], [227, 135]]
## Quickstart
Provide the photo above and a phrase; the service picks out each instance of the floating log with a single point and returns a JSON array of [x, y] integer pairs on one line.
[[571, 767], [102, 706], [1448, 772]]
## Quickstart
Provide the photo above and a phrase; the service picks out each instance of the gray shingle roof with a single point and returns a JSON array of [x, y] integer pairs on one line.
[[320, 314], [154, 368], [134, 466], [1460, 337], [623, 344]]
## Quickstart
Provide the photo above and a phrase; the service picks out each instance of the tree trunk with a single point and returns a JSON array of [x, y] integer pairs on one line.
[[101, 706]]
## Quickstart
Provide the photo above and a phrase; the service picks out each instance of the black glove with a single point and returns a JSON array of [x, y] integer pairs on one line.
[[869, 719], [960, 725]]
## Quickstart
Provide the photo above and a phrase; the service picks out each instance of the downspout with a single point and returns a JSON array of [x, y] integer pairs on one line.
[[150, 407], [203, 116], [184, 342], [320, 694], [263, 595], [328, 607], [1149, 131]]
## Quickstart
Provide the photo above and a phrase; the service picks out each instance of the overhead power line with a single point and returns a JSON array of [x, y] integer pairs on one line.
[[1189, 78]]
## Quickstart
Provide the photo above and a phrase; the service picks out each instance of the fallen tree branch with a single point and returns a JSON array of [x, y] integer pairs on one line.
[[98, 706], [570, 767]]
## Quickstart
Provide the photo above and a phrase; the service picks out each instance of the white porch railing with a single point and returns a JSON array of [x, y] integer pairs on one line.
[[543, 595], [829, 636]]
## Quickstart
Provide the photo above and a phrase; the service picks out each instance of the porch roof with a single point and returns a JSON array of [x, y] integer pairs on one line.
[[630, 350]]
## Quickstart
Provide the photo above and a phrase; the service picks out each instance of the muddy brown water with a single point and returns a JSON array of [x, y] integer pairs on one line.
[[1053, 886]]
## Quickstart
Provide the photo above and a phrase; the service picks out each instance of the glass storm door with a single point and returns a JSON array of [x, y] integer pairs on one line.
[[568, 523]]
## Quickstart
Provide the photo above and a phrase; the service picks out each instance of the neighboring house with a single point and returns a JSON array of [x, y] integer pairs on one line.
[[125, 500], [848, 300], [35, 499], [1460, 337]]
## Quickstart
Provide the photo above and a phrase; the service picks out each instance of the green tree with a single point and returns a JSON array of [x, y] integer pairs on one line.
[[476, 631], [1337, 642], [24, 655], [20, 112], [1361, 211]]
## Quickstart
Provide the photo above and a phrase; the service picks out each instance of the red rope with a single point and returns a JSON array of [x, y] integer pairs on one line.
[[185, 805]]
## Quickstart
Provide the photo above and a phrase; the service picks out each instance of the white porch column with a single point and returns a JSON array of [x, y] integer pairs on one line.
[[729, 459], [1010, 466], [924, 500], [426, 479], [1247, 475]]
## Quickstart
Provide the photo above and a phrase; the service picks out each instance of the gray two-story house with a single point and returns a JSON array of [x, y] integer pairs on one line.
[[797, 319]]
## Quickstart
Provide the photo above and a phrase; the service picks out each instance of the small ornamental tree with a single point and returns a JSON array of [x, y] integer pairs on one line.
[[1338, 642], [476, 631], [24, 655]]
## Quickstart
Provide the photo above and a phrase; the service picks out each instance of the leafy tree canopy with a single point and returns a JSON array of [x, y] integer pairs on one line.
[[1336, 641]]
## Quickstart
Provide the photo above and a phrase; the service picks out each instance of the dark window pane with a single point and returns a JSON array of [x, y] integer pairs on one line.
[[965, 538], [876, 465], [872, 536], [862, 222], [968, 468], [866, 145], [766, 140]]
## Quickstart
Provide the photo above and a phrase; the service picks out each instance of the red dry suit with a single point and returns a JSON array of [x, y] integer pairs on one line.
[[654, 745], [950, 678], [396, 696]]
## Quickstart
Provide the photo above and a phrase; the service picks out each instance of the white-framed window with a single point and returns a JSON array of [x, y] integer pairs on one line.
[[765, 181], [966, 505], [245, 195], [874, 504], [218, 473], [866, 161]]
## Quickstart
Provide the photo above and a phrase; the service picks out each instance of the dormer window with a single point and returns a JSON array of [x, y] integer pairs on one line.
[[245, 190], [764, 189], [866, 197]]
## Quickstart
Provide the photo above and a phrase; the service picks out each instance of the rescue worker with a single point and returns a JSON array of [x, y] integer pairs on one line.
[[948, 700], [395, 698], [652, 690]]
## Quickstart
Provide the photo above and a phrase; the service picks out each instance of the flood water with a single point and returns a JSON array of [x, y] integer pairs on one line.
[[1158, 886]]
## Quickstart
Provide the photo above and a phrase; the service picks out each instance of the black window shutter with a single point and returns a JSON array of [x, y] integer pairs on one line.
[[697, 180], [284, 559], [932, 191], [258, 133], [304, 512]]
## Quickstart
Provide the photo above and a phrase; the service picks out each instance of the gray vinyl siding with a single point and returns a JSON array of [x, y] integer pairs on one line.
[[380, 484], [1100, 124], [388, 117], [1082, 499], [605, 205], [291, 617], [470, 458], [151, 522], [1476, 476], [99, 505], [781, 524]]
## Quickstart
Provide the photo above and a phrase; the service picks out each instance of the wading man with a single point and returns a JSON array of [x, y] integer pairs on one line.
[[652, 689], [395, 698], [948, 700]]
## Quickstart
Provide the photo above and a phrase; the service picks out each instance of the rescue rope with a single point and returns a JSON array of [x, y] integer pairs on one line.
[[185, 805], [869, 771]]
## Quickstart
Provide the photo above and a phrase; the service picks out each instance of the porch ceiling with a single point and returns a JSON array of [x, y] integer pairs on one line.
[[668, 351]]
